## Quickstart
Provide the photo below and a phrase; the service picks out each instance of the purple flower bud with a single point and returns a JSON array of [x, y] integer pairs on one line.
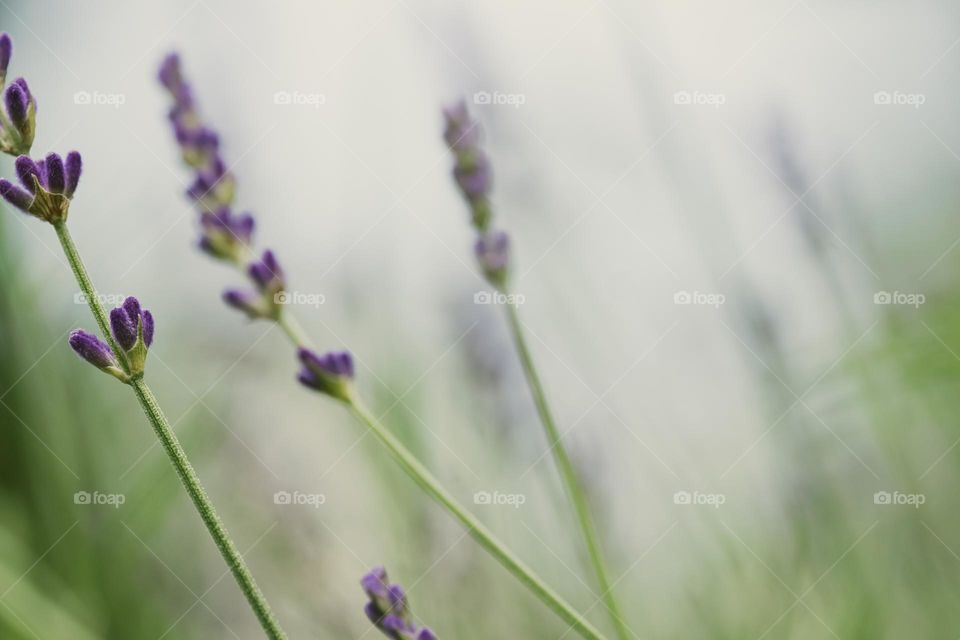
[[330, 373], [225, 234], [388, 609], [123, 328], [27, 169], [92, 349], [471, 171], [51, 202], [6, 50], [213, 185], [247, 301], [126, 321], [16, 101], [169, 74], [54, 173], [493, 253], [266, 273], [74, 166], [474, 177], [461, 133], [15, 195]]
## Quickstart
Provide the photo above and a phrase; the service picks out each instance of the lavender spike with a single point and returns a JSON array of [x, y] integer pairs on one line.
[[389, 610]]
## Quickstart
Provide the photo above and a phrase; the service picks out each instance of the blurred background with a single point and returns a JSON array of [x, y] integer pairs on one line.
[[736, 241]]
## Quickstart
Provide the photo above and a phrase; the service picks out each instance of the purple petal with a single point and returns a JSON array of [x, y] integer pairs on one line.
[[74, 166], [15, 195], [91, 348], [26, 169], [56, 180], [426, 634]]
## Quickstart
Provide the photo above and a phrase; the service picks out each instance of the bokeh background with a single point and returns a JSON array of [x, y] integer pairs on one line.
[[790, 161]]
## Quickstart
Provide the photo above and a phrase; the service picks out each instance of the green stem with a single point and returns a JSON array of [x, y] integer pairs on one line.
[[178, 457], [568, 474], [409, 463], [294, 331]]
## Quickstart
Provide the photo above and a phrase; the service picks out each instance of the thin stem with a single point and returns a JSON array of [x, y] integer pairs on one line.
[[178, 457], [568, 473], [409, 463], [86, 286], [293, 330]]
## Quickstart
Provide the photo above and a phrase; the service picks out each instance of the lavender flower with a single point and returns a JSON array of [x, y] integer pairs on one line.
[[471, 171], [331, 373], [226, 235], [268, 299], [388, 609], [493, 253], [18, 114], [96, 352], [133, 328], [48, 186], [474, 177]]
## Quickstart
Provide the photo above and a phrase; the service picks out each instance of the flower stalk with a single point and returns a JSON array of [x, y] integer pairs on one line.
[[171, 445], [473, 176]]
